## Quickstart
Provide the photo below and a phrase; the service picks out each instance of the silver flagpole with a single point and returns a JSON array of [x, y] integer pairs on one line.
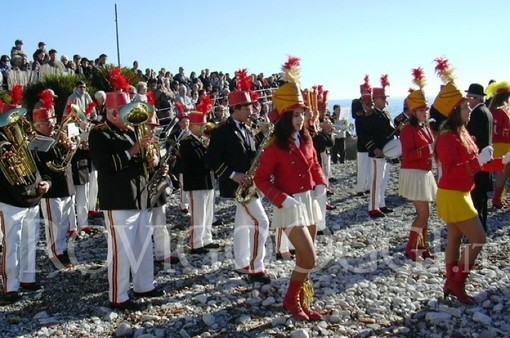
[[117, 34]]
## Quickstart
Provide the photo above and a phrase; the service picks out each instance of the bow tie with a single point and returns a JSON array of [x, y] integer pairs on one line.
[[242, 125]]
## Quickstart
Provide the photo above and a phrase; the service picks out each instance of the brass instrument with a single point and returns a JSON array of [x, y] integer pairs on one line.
[[16, 161], [76, 116], [137, 114], [207, 129], [244, 194]]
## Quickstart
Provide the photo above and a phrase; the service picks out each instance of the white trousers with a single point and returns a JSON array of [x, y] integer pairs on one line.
[[364, 164], [20, 227], [93, 190], [201, 208], [326, 164], [322, 200], [184, 197], [57, 214], [160, 234], [129, 251], [81, 206], [250, 234], [379, 181]]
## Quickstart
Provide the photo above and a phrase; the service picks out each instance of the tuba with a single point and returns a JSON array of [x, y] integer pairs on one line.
[[16, 161], [75, 117], [137, 114]]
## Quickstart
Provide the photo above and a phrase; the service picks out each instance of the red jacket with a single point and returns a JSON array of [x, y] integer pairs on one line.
[[416, 143], [501, 126], [282, 173]]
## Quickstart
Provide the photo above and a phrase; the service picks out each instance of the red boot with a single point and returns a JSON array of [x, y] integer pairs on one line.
[[457, 282], [496, 200], [305, 299], [412, 247], [425, 247], [291, 301]]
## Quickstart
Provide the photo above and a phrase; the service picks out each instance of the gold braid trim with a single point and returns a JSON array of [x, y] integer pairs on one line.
[[308, 293]]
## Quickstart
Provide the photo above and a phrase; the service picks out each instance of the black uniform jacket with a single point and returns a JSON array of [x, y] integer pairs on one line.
[[21, 196], [378, 130], [322, 142], [481, 127], [80, 166], [61, 182], [120, 177], [196, 175], [228, 151]]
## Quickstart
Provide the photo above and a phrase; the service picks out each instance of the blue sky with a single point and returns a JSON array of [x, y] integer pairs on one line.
[[339, 41]]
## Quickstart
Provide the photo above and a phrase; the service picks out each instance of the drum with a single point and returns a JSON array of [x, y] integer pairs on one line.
[[393, 151]]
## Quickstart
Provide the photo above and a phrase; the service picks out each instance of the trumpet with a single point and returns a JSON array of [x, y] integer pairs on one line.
[[76, 116], [207, 129], [137, 114]]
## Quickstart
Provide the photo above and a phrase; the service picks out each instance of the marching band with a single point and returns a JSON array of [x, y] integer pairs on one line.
[[107, 156]]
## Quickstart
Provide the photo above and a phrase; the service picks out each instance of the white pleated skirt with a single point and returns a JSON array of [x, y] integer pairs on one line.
[[308, 213], [417, 185]]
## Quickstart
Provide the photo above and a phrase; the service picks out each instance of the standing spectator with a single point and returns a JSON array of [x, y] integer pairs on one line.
[[79, 97], [41, 46], [338, 150], [141, 89], [480, 126], [101, 62], [4, 69], [181, 77], [17, 49]]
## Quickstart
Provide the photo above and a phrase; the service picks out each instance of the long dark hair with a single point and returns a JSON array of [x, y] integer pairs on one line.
[[498, 101], [455, 124], [283, 130]]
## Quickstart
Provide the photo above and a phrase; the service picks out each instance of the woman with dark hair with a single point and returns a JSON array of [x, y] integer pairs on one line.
[[290, 176], [460, 161], [499, 93], [416, 181]]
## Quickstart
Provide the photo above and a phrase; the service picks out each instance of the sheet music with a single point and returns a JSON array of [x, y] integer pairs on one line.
[[41, 143]]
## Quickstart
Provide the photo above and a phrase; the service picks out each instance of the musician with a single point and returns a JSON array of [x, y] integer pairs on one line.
[[338, 149], [19, 223], [360, 109], [199, 182], [460, 161], [57, 203], [123, 197], [179, 133], [230, 154], [290, 176], [401, 118], [480, 126], [500, 109], [416, 180], [378, 130]]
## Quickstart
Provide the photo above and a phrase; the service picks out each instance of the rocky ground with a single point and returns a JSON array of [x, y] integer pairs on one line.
[[364, 284]]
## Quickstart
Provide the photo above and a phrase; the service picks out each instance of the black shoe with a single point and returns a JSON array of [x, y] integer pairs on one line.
[[332, 179], [150, 294], [127, 305], [217, 222], [30, 286], [212, 246], [64, 260], [320, 233], [260, 277], [12, 297], [386, 210], [329, 193], [198, 251], [361, 193]]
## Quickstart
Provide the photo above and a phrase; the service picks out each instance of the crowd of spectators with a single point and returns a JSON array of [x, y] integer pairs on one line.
[[168, 88]]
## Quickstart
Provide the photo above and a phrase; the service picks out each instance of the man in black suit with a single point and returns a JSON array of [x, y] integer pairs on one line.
[[230, 154], [481, 127]]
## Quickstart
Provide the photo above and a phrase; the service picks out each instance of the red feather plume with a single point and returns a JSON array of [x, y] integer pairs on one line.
[[254, 96], [47, 99], [291, 69], [366, 85], [17, 95], [419, 77], [325, 96], [90, 108], [243, 82], [151, 98], [444, 70], [118, 81], [205, 105], [180, 107], [384, 81]]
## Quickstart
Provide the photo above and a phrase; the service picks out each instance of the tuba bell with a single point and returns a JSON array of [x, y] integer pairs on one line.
[[16, 161]]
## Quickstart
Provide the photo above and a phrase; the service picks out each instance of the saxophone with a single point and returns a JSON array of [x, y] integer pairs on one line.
[[244, 194]]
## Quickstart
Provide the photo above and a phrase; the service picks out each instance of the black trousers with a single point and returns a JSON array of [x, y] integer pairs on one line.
[[338, 151], [479, 197]]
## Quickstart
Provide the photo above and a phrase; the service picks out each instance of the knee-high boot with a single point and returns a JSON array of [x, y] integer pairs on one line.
[[292, 303], [305, 298], [425, 247], [456, 275], [412, 247], [496, 200]]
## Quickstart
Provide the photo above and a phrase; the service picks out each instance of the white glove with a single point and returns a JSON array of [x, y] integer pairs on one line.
[[506, 158], [485, 155], [320, 190], [290, 202]]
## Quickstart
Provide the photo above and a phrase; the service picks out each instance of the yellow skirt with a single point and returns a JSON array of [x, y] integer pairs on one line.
[[500, 149], [455, 206]]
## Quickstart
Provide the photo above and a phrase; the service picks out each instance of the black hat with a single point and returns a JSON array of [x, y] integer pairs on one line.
[[476, 89]]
